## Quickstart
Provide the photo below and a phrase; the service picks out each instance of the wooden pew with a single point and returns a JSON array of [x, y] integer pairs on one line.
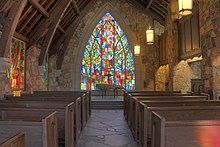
[[78, 107], [67, 93], [15, 141], [133, 108], [130, 94], [145, 110], [69, 96], [65, 114], [190, 127], [40, 128]]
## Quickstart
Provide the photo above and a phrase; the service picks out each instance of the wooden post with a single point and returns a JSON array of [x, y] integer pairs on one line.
[[10, 26]]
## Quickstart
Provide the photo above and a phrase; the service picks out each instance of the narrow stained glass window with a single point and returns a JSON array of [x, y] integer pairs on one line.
[[108, 58]]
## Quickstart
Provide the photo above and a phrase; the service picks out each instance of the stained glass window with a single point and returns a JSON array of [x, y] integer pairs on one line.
[[108, 58], [17, 56]]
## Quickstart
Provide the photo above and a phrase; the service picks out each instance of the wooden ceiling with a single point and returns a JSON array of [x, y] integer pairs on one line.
[[45, 22]]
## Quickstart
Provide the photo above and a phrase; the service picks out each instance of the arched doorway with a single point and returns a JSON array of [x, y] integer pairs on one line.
[[107, 57]]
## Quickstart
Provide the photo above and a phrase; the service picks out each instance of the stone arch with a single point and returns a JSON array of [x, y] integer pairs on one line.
[[88, 29]]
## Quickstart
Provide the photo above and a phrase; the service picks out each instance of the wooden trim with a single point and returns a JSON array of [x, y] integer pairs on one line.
[[39, 8], [10, 26]]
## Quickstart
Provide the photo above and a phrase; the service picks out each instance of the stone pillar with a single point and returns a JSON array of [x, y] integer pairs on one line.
[[4, 80], [53, 82]]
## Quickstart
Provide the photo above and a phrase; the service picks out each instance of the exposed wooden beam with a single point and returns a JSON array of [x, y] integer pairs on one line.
[[159, 9], [149, 4], [50, 24], [39, 8], [10, 26], [75, 6], [61, 29], [21, 37], [30, 17]]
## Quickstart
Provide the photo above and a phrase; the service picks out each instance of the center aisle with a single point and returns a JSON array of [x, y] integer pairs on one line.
[[106, 128]]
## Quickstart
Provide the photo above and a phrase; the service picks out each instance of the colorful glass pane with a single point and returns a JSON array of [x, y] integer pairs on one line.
[[17, 56], [107, 58]]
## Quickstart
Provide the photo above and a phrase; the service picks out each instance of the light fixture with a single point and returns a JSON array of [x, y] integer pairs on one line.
[[137, 50], [150, 36], [185, 7]]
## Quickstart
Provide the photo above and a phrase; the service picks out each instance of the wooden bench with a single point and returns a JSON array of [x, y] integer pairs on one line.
[[40, 128], [80, 119], [188, 127], [65, 114], [15, 141], [68, 96], [130, 94], [132, 113], [146, 108]]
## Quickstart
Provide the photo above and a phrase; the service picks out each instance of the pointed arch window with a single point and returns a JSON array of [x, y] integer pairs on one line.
[[108, 58]]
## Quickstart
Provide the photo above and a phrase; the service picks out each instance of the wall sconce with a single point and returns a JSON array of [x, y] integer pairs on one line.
[[137, 50]]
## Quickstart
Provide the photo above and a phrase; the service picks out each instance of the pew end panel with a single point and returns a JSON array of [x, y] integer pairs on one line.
[[16, 141], [158, 130], [69, 125], [50, 131]]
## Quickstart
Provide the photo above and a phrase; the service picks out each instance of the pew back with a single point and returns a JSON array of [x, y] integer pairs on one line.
[[40, 131], [170, 130]]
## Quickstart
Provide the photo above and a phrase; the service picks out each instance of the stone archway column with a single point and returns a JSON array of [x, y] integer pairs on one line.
[[4, 80]]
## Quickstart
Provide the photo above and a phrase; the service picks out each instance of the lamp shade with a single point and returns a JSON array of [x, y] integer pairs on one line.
[[137, 50], [150, 36], [185, 7]]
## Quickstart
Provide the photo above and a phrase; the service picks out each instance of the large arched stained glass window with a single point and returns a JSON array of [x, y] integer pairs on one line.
[[107, 58]]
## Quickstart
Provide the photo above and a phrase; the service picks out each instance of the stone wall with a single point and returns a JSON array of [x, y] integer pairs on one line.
[[125, 14], [210, 44], [183, 73], [34, 73], [162, 78]]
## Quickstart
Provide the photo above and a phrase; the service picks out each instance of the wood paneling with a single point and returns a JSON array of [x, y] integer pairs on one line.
[[189, 38]]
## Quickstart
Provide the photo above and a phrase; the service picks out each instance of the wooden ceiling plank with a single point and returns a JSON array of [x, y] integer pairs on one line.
[[161, 5], [66, 16], [36, 19], [51, 23], [3, 3], [24, 24], [149, 4], [159, 9], [9, 29], [39, 8], [61, 29], [75, 6]]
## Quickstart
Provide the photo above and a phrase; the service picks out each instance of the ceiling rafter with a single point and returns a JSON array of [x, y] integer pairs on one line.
[[30, 17], [75, 6], [39, 8], [35, 20], [61, 29], [51, 24], [11, 24], [149, 4]]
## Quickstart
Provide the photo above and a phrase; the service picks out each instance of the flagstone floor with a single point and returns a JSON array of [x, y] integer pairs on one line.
[[106, 128]]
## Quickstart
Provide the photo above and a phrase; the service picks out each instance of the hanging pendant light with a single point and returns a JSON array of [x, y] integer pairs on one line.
[[150, 36], [137, 50], [185, 7]]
